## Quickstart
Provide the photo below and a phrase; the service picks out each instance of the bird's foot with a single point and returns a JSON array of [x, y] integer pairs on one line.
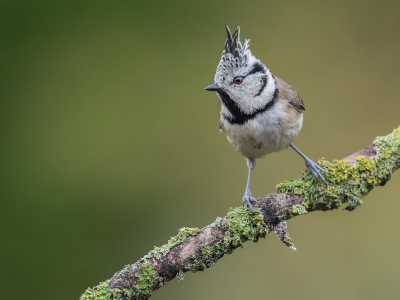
[[247, 199], [315, 169]]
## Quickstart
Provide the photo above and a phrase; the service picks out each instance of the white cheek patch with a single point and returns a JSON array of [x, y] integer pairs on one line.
[[250, 102], [269, 90]]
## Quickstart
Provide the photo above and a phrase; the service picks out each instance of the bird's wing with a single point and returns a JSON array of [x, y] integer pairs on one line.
[[288, 93]]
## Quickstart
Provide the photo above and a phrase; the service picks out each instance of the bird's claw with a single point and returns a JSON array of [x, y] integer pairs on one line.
[[315, 169], [247, 199]]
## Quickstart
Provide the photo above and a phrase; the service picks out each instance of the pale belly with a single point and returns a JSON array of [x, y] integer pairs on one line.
[[264, 134]]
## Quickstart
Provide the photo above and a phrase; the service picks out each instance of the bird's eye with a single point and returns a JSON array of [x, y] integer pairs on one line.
[[238, 80]]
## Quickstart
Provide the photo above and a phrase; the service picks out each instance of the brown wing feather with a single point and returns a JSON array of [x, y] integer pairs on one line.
[[288, 93]]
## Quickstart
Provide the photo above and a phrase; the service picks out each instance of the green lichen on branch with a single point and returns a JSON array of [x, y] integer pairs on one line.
[[217, 221], [180, 275], [147, 276], [241, 225], [182, 235], [209, 256], [146, 279], [100, 292], [103, 292], [347, 183], [297, 210]]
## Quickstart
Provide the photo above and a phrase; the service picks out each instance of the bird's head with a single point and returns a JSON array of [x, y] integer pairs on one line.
[[241, 80]]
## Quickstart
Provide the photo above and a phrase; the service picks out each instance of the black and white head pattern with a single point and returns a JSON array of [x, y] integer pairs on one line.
[[248, 85]]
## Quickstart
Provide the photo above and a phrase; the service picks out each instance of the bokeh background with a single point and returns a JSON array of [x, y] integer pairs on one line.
[[109, 144]]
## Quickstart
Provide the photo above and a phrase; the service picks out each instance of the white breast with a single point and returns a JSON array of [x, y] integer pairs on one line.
[[271, 131]]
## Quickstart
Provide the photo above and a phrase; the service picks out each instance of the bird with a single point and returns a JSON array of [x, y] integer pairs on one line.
[[260, 113]]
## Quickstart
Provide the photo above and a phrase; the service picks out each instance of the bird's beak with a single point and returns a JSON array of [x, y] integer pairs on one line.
[[213, 88]]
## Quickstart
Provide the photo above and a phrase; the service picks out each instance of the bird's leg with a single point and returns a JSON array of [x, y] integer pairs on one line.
[[312, 166], [248, 197]]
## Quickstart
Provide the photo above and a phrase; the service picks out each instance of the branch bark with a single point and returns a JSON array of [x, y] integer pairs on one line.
[[195, 249]]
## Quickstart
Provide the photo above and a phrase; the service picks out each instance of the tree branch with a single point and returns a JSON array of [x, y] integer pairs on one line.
[[349, 180]]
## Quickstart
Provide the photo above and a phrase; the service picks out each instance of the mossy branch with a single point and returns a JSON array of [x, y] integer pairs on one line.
[[349, 180]]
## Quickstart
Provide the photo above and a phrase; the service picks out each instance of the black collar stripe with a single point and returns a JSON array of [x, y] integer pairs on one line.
[[237, 116]]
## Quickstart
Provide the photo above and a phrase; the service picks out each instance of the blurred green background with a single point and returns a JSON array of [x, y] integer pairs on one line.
[[109, 144]]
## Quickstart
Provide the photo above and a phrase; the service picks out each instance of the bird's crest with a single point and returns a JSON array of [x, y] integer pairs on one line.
[[235, 54], [233, 44]]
